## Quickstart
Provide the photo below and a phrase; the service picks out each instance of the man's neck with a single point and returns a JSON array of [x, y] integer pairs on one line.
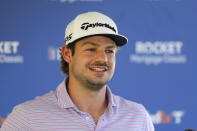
[[90, 101]]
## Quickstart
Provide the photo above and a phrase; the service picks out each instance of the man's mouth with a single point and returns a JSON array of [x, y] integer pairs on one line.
[[99, 69]]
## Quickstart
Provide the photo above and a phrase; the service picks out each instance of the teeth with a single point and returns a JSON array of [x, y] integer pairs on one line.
[[98, 69]]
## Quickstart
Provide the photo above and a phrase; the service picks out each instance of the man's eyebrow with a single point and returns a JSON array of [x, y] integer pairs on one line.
[[111, 46], [89, 43], [95, 44]]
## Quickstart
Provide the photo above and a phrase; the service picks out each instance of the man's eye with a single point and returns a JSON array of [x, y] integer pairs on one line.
[[109, 51]]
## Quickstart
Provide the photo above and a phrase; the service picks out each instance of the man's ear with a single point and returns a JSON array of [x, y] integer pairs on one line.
[[66, 53]]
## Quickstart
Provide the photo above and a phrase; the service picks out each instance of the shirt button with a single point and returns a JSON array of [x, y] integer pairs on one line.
[[87, 118]]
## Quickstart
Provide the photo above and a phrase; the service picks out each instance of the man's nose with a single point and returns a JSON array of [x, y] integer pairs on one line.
[[101, 56]]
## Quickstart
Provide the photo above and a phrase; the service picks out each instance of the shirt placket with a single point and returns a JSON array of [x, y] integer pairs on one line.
[[88, 120], [104, 119]]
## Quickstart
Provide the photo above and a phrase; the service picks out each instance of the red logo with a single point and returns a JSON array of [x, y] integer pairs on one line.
[[1, 120]]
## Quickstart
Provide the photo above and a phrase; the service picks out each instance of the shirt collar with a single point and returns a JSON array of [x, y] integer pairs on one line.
[[111, 100], [64, 100]]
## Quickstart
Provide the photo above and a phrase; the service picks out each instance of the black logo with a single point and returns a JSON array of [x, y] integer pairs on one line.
[[69, 37], [85, 26]]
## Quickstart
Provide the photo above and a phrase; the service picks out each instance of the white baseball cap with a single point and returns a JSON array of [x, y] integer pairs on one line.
[[93, 24]]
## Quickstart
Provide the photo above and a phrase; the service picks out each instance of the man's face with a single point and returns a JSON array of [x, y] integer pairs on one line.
[[93, 62]]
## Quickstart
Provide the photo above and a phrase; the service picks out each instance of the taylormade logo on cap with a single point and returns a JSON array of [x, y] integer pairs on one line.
[[92, 24], [85, 26]]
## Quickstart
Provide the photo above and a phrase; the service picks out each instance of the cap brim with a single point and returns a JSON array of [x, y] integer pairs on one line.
[[118, 39]]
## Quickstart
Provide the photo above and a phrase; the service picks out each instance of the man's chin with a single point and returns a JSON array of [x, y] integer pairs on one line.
[[96, 85]]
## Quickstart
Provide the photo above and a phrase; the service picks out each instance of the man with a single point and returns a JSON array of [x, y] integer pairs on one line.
[[83, 101]]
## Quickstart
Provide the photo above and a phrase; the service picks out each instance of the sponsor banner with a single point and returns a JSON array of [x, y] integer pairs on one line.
[[54, 53], [9, 52], [158, 52], [1, 121], [72, 1], [161, 117]]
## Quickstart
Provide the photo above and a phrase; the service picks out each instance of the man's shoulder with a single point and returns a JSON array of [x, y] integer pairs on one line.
[[128, 104], [134, 112], [45, 101], [22, 114]]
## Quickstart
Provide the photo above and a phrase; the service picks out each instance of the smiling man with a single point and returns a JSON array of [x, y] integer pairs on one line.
[[83, 101]]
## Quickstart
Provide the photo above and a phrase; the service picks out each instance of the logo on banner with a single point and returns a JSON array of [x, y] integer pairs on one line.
[[53, 53], [158, 52], [1, 121], [9, 52], [160, 117]]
